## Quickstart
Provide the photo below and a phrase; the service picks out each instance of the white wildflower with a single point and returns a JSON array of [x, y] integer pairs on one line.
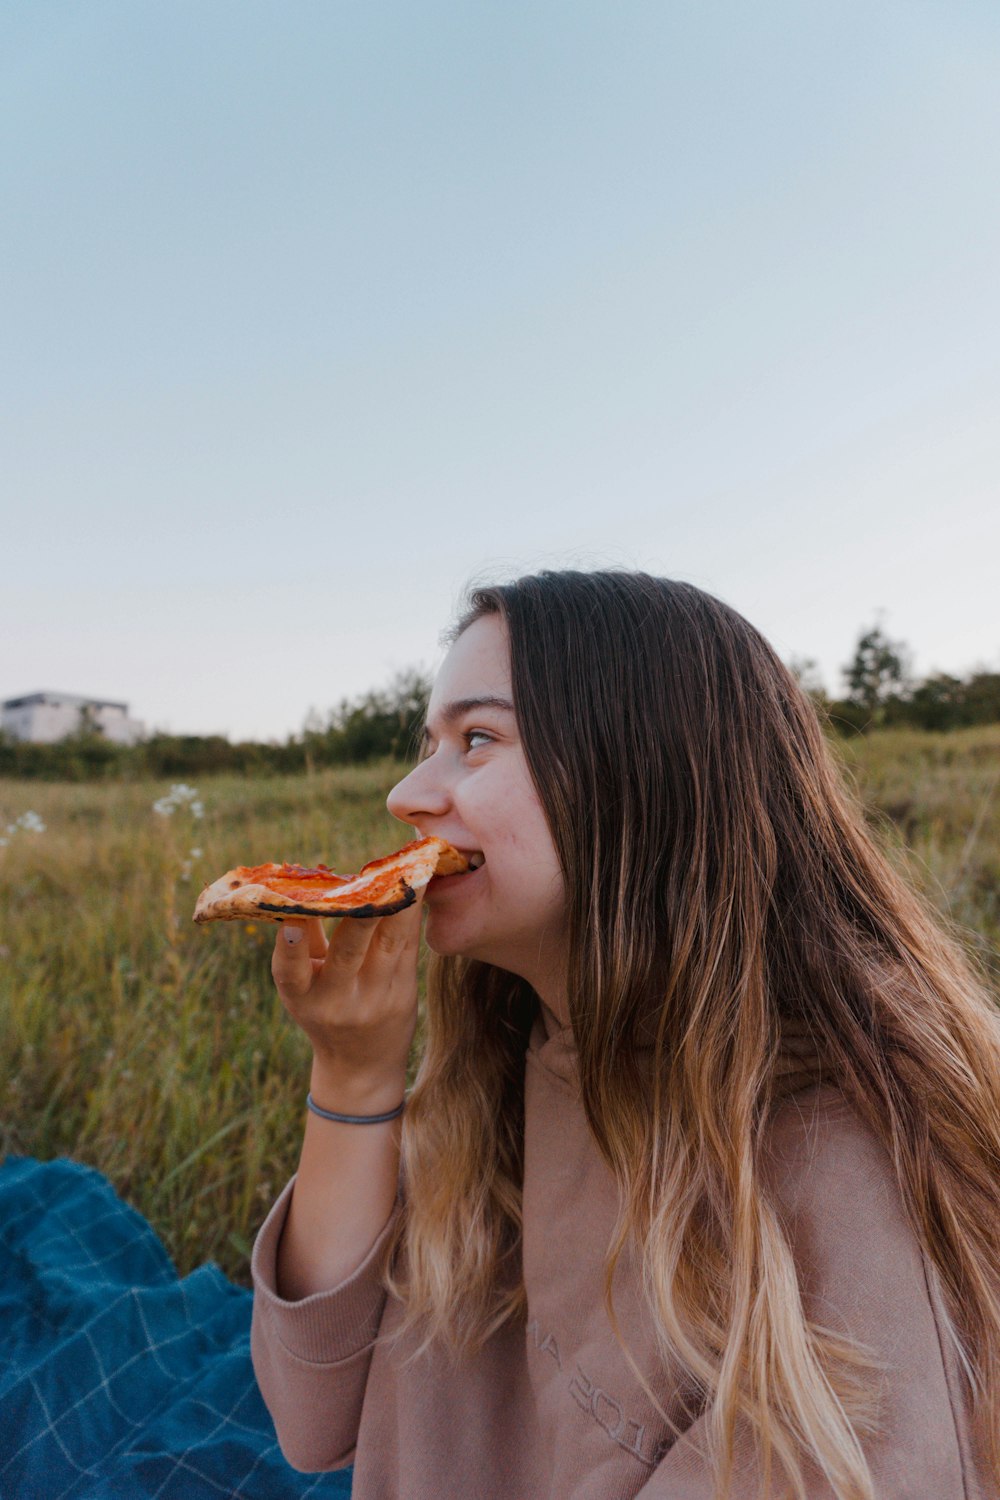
[[28, 822], [180, 796], [194, 854]]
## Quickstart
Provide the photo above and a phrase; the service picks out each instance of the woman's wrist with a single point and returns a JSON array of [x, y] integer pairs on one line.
[[353, 1093]]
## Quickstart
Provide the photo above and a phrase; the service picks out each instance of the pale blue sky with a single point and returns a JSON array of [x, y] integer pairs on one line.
[[313, 311]]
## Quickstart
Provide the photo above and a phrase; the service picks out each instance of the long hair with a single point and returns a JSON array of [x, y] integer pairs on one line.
[[721, 883]]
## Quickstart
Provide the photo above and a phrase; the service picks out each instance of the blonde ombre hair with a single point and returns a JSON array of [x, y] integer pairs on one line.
[[721, 885]]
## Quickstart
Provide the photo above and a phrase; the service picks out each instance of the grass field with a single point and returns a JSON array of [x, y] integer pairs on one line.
[[158, 1052]]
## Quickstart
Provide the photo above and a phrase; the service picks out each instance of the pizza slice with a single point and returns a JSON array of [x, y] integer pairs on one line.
[[268, 893]]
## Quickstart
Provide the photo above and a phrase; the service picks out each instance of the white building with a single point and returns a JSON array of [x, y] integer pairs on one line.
[[46, 717]]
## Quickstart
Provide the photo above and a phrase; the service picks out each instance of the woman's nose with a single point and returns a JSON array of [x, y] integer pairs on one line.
[[420, 794]]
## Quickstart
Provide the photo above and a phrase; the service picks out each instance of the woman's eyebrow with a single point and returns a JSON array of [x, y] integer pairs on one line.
[[459, 707]]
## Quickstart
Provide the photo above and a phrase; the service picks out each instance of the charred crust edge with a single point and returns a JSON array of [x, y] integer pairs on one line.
[[406, 899]]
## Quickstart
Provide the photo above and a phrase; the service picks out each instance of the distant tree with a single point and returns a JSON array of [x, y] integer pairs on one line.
[[805, 670], [313, 739], [982, 698], [385, 721], [939, 702], [878, 672], [382, 722]]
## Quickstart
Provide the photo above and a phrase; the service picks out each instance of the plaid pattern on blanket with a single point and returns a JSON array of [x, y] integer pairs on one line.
[[118, 1381]]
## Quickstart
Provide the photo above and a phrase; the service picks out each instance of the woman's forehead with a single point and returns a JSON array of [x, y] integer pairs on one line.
[[477, 666]]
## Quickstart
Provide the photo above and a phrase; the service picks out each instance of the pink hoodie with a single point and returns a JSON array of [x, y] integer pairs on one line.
[[550, 1409]]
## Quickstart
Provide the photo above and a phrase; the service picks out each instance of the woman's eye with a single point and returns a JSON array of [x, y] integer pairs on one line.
[[477, 737]]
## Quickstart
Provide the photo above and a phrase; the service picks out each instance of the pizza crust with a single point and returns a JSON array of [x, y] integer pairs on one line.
[[270, 893]]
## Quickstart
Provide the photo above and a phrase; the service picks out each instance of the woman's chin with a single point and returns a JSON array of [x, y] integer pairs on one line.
[[447, 939]]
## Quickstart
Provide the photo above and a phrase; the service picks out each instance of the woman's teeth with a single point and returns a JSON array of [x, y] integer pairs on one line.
[[475, 861]]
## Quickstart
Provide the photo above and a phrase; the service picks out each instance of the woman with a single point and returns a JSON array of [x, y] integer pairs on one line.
[[608, 1255]]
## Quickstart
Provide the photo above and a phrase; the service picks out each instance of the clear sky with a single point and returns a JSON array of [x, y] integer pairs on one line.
[[312, 312]]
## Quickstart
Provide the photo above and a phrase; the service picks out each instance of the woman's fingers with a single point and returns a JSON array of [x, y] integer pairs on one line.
[[395, 943], [291, 964], [357, 1002], [317, 938], [373, 944], [349, 944]]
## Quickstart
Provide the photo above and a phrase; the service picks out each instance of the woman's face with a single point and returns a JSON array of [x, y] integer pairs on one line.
[[473, 788]]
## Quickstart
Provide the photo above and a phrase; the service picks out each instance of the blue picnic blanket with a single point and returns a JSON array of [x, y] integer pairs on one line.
[[118, 1380]]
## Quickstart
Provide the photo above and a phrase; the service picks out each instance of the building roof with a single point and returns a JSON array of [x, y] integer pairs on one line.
[[62, 700]]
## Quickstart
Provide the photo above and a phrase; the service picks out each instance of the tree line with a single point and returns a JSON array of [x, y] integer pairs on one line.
[[882, 692], [386, 722]]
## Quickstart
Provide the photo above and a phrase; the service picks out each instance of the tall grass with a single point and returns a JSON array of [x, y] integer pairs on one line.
[[157, 1050], [132, 1039]]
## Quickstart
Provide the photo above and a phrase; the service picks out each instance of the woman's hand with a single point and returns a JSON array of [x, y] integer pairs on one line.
[[355, 998]]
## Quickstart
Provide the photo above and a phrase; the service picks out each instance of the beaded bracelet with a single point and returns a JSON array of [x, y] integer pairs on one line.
[[326, 1114]]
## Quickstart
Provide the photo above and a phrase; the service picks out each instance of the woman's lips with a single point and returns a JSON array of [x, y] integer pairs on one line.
[[438, 884]]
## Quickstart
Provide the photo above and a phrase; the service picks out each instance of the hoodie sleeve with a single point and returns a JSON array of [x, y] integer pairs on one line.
[[861, 1274], [311, 1357]]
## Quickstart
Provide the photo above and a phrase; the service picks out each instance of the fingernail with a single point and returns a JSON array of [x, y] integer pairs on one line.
[[293, 935]]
